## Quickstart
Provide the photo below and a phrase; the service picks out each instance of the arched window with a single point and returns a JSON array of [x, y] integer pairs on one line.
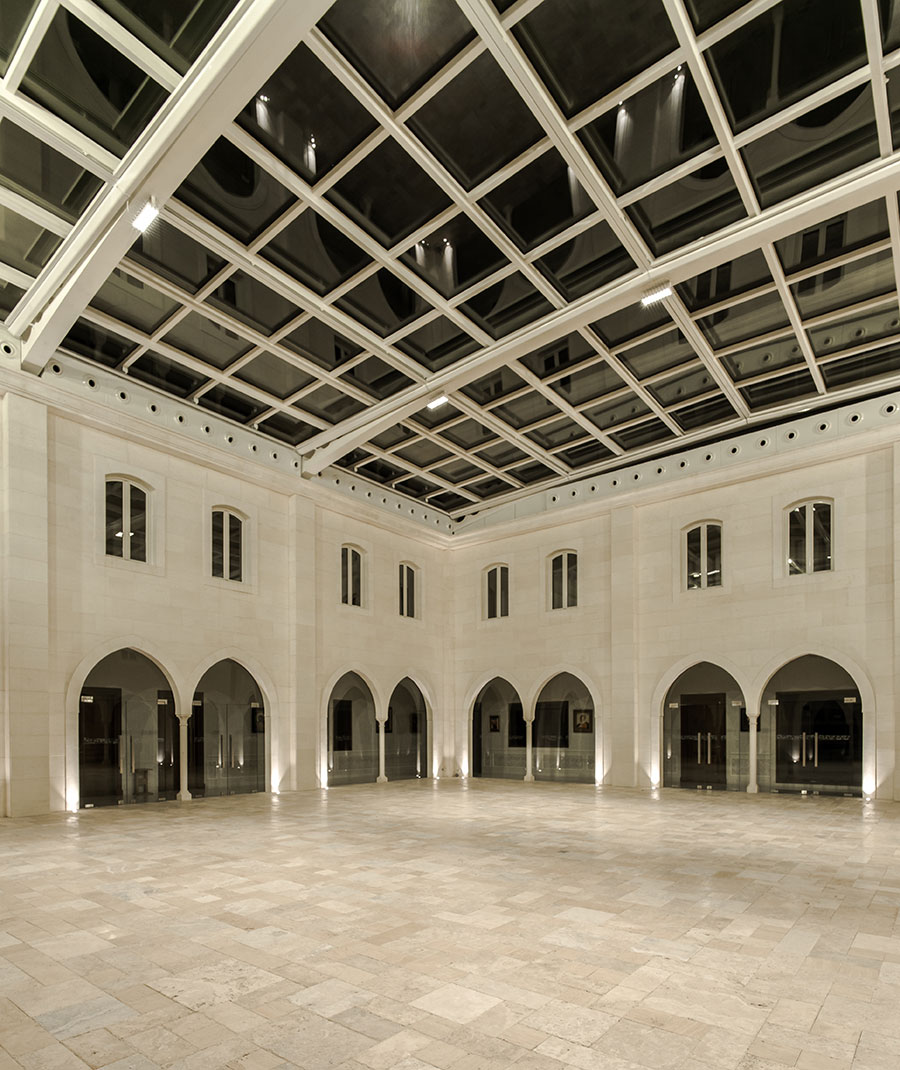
[[564, 580], [408, 605], [127, 519], [351, 576], [496, 591], [703, 555], [809, 537], [227, 545]]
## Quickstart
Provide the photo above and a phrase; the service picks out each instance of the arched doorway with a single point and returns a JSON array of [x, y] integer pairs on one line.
[[406, 734], [563, 731], [812, 726], [498, 732], [705, 731], [127, 733], [352, 739], [227, 733]]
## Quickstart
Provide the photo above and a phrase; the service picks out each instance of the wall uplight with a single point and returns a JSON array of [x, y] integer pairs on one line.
[[145, 216], [660, 293], [436, 404]]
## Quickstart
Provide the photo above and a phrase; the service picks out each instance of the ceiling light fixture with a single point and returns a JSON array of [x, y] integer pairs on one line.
[[436, 404], [145, 216], [659, 293]]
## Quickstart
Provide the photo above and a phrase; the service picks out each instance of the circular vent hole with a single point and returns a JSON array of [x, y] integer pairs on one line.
[[152, 408], [855, 417], [56, 369]]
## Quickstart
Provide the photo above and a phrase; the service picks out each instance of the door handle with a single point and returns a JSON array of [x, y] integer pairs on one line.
[[816, 750], [803, 749], [699, 759], [709, 748]]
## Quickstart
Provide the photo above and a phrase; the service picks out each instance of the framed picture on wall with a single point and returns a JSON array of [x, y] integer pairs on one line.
[[582, 720], [494, 721]]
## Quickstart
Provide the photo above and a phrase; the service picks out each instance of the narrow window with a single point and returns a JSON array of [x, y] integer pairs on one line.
[[703, 556], [497, 591], [227, 545], [564, 580], [126, 520], [351, 576], [809, 538], [407, 591]]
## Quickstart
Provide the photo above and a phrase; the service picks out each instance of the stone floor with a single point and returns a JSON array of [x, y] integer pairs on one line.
[[455, 925]]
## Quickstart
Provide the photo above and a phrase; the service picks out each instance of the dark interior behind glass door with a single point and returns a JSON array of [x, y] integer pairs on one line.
[[99, 737], [819, 741], [703, 741]]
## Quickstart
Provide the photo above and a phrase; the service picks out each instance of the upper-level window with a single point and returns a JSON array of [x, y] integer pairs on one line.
[[496, 591], [703, 560], [407, 591], [126, 520], [351, 576], [809, 537], [227, 545], [564, 580]]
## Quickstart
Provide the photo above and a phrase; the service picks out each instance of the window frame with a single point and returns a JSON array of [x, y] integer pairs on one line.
[[129, 483], [703, 526], [242, 519], [809, 538], [568, 577], [501, 591], [408, 571], [346, 576]]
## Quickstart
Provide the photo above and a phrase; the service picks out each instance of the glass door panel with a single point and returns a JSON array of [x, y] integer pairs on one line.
[[168, 750], [405, 756], [139, 749], [245, 751], [99, 740], [818, 745], [695, 743], [352, 742]]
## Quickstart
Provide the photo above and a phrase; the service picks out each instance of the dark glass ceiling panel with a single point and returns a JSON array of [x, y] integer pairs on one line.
[[388, 194], [455, 256], [490, 487], [725, 281], [650, 133], [432, 418], [565, 353], [381, 471], [666, 350], [565, 39], [416, 487], [397, 46], [42, 174], [330, 404], [224, 401], [583, 454], [878, 364], [14, 15], [525, 410], [506, 306], [177, 30], [798, 384], [704, 414], [785, 54], [315, 253], [127, 299], [477, 123], [231, 191], [383, 302], [501, 454], [437, 343], [393, 436], [538, 202], [683, 387], [353, 458], [469, 434], [696, 206], [167, 375], [205, 340], [285, 428], [10, 296], [277, 376], [496, 384], [762, 359], [23, 244], [857, 281], [448, 501], [822, 144], [645, 434], [377, 378], [319, 343], [559, 433], [586, 262], [306, 117], [618, 412], [855, 331], [746, 320], [174, 256], [890, 25], [706, 13], [630, 322], [458, 471], [423, 453], [249, 301], [585, 385], [88, 340], [840, 234], [90, 84]]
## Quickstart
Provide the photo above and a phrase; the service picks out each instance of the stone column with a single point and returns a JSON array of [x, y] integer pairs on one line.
[[529, 751], [183, 794], [753, 718], [382, 779]]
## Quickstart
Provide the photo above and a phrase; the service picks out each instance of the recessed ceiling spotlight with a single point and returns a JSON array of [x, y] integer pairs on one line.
[[659, 293], [436, 404], [145, 216]]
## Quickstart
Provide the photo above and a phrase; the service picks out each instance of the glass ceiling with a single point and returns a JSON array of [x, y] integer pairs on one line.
[[421, 191]]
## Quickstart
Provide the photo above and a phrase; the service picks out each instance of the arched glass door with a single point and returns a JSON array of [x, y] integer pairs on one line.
[[227, 733], [498, 732], [563, 731], [128, 740], [406, 734], [352, 740]]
